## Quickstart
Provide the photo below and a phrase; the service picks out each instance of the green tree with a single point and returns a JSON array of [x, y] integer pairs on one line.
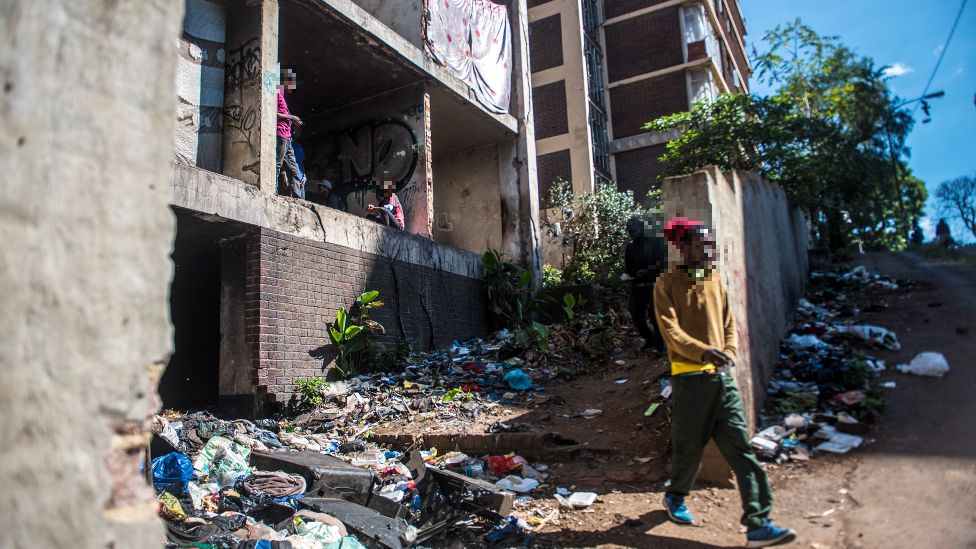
[[831, 135], [593, 227], [957, 200]]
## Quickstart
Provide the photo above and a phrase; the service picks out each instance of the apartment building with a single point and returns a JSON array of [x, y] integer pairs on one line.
[[603, 68]]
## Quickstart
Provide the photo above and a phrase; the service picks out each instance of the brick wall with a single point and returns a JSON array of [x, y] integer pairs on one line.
[[294, 287], [637, 170], [615, 8], [545, 43], [634, 104], [643, 44], [534, 3], [551, 167], [549, 103]]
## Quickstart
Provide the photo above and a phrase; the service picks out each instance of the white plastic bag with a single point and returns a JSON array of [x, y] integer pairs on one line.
[[926, 364], [872, 334]]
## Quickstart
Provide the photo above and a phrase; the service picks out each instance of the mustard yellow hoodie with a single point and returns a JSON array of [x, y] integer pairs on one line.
[[693, 316]]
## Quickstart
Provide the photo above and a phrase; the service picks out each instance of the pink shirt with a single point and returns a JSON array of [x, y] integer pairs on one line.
[[284, 126]]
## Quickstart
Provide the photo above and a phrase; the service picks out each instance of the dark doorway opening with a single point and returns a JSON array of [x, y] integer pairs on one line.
[[190, 380]]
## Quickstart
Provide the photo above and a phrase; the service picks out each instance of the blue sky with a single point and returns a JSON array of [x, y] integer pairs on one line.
[[907, 35]]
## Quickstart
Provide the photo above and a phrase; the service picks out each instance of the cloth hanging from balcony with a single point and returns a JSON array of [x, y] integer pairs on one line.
[[473, 39]]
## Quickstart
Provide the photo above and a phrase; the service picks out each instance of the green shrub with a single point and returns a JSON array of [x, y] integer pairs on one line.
[[310, 390]]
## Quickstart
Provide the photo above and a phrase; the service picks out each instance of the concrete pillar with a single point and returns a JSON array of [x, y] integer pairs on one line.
[[87, 110], [518, 180], [250, 107]]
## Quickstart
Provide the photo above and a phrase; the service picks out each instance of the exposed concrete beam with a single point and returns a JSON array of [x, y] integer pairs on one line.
[[414, 56], [641, 141], [654, 74], [223, 197]]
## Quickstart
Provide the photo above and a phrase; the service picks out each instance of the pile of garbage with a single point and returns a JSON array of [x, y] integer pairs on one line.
[[231, 484], [824, 394]]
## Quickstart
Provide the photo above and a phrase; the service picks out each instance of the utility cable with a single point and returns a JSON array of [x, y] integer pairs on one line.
[[945, 47]]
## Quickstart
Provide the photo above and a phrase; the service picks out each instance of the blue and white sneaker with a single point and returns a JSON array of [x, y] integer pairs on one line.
[[769, 534], [677, 510]]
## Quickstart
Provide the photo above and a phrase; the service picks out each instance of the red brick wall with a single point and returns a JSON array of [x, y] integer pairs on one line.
[[614, 8], [549, 104], [637, 170], [643, 44], [545, 43], [296, 285], [634, 104]]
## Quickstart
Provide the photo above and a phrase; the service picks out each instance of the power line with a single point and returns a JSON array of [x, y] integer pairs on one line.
[[935, 70]]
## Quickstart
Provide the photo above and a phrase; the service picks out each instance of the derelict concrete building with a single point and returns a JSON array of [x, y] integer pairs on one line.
[[426, 95]]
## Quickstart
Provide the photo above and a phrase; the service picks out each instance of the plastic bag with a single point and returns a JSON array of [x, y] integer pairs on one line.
[[518, 380], [926, 364], [172, 469], [223, 460], [872, 334]]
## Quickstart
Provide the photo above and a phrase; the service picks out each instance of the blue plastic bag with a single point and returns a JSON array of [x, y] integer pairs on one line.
[[518, 380], [173, 468]]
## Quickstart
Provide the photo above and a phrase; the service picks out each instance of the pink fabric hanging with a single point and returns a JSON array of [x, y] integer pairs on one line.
[[473, 39]]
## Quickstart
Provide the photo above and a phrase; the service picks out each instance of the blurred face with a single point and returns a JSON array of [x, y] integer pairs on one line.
[[699, 250]]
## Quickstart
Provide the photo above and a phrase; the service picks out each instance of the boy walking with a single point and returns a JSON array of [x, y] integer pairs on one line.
[[692, 310]]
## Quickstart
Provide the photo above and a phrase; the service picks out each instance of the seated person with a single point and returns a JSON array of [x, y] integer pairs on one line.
[[389, 212]]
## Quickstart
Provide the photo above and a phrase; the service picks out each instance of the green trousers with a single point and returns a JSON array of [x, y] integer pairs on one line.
[[708, 406]]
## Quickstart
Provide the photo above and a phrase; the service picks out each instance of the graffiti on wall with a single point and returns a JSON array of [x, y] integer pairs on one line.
[[242, 123], [359, 159]]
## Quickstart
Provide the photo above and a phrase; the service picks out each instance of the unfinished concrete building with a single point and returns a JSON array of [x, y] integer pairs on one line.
[[435, 100]]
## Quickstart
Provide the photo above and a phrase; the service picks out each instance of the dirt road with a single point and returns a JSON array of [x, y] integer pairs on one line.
[[915, 487]]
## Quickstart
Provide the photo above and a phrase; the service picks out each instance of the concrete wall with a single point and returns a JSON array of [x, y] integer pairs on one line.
[[405, 17], [200, 85], [762, 243], [467, 203], [87, 115], [383, 137]]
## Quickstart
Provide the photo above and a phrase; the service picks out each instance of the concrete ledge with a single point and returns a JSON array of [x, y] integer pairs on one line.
[[224, 197], [641, 141]]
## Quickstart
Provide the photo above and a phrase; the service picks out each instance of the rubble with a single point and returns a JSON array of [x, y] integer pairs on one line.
[[823, 393]]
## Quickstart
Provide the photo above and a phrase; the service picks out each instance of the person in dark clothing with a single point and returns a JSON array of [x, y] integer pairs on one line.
[[645, 258], [943, 235]]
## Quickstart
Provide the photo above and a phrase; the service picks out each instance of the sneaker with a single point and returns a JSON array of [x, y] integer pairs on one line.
[[677, 510], [769, 534]]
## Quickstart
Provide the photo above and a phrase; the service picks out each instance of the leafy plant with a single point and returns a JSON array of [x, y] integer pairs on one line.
[[535, 335], [310, 390], [571, 303], [551, 276], [394, 358], [593, 228], [350, 335]]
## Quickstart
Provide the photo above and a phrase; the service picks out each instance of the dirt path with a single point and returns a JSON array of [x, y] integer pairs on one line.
[[914, 487], [917, 485]]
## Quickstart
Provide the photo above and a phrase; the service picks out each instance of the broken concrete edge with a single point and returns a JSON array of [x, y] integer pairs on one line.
[[220, 197]]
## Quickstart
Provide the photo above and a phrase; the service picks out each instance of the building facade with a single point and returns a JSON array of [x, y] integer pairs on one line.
[[428, 96], [603, 68]]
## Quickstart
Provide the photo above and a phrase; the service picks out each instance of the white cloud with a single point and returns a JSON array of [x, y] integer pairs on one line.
[[958, 71], [938, 50], [898, 69]]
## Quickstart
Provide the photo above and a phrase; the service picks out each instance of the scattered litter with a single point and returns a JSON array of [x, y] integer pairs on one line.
[[621, 381], [577, 500], [888, 384], [872, 334], [517, 484], [926, 364], [651, 409], [590, 413]]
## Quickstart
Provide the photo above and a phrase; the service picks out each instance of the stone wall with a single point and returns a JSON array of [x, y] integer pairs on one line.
[[762, 244], [87, 115]]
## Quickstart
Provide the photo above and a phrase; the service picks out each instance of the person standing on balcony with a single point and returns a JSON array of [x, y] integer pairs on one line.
[[692, 308], [284, 151]]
